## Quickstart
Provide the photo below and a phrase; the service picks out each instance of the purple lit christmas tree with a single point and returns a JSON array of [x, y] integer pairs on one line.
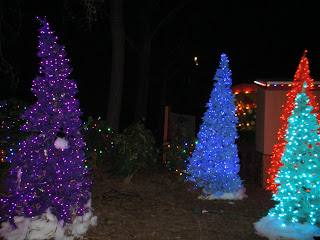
[[48, 173]]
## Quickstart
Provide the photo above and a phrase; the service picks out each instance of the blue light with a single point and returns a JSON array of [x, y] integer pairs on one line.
[[214, 164]]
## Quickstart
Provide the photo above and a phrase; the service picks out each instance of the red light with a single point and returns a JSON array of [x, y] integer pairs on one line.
[[301, 76]]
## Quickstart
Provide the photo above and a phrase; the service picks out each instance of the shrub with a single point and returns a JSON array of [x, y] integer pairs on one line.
[[10, 133], [135, 149], [177, 153], [99, 141]]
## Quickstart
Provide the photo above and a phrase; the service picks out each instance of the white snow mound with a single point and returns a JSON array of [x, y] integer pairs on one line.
[[240, 194], [275, 229], [47, 226]]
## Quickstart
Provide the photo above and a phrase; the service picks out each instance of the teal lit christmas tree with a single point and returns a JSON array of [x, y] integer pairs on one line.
[[214, 164], [297, 214]]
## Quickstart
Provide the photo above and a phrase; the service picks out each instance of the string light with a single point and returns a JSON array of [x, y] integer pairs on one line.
[[177, 155], [10, 125], [99, 139]]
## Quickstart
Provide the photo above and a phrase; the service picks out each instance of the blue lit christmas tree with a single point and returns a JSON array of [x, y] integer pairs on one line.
[[48, 184], [214, 165], [297, 214]]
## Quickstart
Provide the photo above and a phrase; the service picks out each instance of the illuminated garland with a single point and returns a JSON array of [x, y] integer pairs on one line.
[[301, 76]]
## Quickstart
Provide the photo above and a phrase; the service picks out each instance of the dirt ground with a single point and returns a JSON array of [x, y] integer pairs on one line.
[[157, 205]]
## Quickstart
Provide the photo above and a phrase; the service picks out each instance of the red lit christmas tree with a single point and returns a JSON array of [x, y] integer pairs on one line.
[[301, 76]]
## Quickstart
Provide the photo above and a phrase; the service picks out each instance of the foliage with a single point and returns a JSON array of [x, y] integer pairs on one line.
[[176, 155], [99, 141], [135, 149], [10, 134]]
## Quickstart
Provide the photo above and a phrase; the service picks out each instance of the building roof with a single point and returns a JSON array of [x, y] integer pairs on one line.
[[280, 84]]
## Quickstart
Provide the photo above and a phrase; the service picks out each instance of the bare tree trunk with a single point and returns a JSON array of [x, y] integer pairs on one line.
[[148, 35], [1, 20], [143, 82], [118, 61], [144, 60]]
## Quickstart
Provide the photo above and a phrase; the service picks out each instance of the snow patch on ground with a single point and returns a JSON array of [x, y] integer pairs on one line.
[[240, 194], [275, 229], [47, 226]]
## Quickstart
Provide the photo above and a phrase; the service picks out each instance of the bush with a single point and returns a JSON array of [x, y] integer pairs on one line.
[[135, 149], [99, 141], [177, 154], [10, 133]]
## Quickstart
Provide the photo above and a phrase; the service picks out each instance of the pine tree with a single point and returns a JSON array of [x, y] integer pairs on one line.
[[48, 171], [214, 164]]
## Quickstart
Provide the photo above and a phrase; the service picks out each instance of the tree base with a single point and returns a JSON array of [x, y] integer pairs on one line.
[[47, 226], [240, 194], [274, 229]]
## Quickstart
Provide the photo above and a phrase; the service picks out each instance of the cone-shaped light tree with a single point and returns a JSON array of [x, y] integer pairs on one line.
[[297, 213], [214, 164], [48, 171], [301, 76]]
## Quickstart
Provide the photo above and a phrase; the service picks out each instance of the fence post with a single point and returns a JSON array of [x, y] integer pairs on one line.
[[165, 129]]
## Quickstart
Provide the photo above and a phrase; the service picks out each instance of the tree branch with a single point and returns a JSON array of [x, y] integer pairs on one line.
[[166, 18]]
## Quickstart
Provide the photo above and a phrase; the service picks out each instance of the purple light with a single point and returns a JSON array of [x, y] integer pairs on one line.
[[42, 176]]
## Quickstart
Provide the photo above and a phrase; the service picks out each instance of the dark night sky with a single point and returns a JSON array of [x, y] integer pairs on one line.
[[262, 40]]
